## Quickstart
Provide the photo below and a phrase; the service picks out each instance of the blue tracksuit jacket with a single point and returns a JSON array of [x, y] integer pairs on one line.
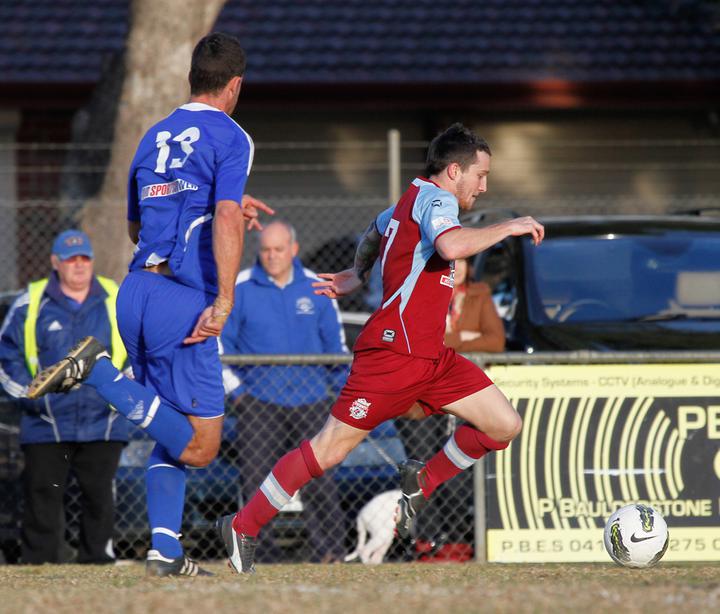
[[267, 319]]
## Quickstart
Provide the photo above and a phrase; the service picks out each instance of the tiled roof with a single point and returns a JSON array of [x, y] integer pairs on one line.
[[394, 41], [59, 41]]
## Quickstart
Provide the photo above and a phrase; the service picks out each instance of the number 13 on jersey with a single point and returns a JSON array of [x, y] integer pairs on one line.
[[185, 138]]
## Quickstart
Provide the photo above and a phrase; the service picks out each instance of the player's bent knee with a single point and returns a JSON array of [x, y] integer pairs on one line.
[[203, 459], [205, 443], [505, 428], [199, 455], [510, 427], [197, 458]]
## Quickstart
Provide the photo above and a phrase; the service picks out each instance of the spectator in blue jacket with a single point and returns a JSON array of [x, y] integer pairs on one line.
[[277, 312], [60, 433]]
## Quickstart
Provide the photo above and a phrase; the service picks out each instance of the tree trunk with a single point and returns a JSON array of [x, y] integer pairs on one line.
[[160, 41]]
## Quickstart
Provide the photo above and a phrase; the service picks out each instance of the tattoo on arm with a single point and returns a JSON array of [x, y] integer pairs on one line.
[[367, 252]]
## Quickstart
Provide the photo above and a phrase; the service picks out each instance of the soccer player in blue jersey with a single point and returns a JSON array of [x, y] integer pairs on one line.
[[187, 215]]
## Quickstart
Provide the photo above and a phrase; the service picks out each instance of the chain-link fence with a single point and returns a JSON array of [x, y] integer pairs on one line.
[[336, 190], [10, 491], [327, 231], [326, 520], [331, 190], [320, 524]]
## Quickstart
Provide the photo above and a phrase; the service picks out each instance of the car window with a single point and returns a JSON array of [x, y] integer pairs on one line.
[[496, 267], [624, 277]]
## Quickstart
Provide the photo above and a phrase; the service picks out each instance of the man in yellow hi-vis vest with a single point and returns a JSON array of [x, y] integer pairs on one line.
[[62, 434]]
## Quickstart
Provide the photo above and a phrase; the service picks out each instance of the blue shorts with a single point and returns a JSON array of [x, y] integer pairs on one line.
[[155, 313]]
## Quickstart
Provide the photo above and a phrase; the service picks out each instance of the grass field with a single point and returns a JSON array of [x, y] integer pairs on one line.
[[397, 588]]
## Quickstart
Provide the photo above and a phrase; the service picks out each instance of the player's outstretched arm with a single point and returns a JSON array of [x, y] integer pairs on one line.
[[347, 281], [466, 242], [367, 252], [339, 284]]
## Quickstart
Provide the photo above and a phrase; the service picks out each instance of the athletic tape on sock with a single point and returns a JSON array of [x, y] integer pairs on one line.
[[456, 456], [150, 413], [275, 493], [158, 465], [164, 531]]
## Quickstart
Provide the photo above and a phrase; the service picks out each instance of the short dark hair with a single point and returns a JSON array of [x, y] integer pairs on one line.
[[456, 144], [216, 59]]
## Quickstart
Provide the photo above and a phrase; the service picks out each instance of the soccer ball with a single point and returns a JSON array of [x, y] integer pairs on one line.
[[636, 536]]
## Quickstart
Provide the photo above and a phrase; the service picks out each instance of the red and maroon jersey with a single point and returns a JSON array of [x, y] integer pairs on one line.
[[417, 282]]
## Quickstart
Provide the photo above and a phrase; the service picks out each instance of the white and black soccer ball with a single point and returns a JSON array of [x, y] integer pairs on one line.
[[636, 536]]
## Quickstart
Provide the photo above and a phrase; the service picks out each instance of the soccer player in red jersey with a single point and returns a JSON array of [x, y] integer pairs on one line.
[[400, 363]]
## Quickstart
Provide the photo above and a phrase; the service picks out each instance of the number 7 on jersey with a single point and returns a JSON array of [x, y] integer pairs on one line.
[[390, 233]]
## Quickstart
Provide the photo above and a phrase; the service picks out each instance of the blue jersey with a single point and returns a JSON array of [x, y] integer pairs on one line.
[[183, 166]]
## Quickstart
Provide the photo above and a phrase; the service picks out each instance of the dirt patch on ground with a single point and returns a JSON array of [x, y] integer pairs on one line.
[[395, 588]]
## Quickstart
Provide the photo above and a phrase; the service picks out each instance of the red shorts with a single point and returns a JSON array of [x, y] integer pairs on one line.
[[384, 385]]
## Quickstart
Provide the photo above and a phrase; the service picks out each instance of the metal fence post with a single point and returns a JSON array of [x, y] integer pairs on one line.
[[393, 165], [480, 513]]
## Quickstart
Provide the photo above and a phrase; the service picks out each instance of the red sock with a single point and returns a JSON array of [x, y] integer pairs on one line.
[[289, 474], [464, 447]]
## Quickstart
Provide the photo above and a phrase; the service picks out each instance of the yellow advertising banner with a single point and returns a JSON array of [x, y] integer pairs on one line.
[[586, 545], [595, 438]]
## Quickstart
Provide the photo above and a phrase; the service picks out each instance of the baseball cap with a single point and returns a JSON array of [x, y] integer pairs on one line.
[[72, 243]]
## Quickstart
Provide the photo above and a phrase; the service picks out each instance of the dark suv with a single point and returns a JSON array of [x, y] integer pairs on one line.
[[609, 283]]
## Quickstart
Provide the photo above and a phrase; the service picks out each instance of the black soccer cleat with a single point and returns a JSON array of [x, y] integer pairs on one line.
[[412, 499], [68, 372], [159, 566], [240, 548]]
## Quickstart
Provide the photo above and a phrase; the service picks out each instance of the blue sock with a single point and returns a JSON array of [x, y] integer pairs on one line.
[[142, 407], [165, 483]]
